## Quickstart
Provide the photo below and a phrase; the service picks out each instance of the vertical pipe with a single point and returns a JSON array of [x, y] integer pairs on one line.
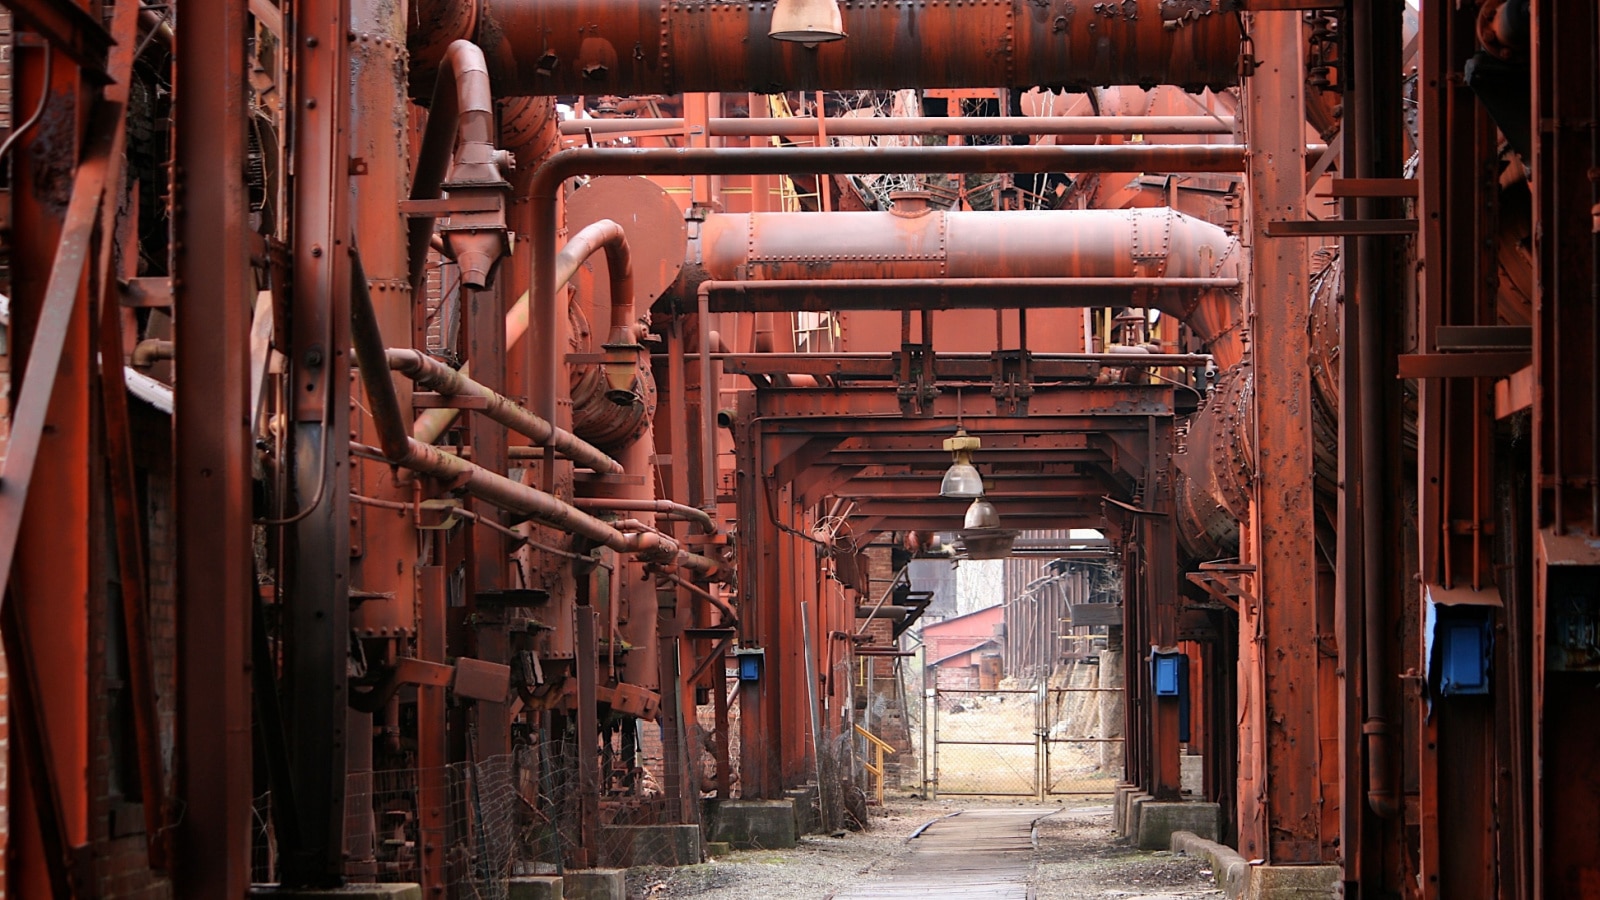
[[708, 407], [211, 278], [1371, 393], [588, 725]]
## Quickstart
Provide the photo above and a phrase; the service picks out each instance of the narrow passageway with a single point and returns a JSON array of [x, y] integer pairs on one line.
[[981, 854], [984, 849]]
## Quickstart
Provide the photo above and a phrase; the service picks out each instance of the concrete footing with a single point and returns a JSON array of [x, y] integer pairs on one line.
[[535, 887], [754, 824], [348, 892], [1241, 881], [625, 846], [596, 884], [806, 818], [1159, 821], [1295, 883], [1119, 807], [1132, 802]]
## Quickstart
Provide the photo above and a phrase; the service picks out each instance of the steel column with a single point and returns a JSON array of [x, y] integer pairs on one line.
[[212, 296], [316, 589], [1279, 817]]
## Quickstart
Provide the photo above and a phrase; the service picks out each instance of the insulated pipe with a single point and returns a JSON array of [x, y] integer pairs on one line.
[[431, 374], [1137, 257], [401, 449], [631, 47], [544, 189], [880, 126]]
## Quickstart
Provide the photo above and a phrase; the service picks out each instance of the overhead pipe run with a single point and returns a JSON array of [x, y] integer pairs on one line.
[[545, 187], [912, 126], [942, 259], [629, 47]]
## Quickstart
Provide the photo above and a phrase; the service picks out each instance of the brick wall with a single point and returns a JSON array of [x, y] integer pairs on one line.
[[116, 818]]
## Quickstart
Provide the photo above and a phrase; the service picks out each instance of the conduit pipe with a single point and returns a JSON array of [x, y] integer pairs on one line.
[[431, 374], [883, 126], [544, 189], [631, 47], [401, 449]]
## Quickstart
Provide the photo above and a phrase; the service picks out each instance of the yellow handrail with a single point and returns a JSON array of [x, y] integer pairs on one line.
[[880, 747]]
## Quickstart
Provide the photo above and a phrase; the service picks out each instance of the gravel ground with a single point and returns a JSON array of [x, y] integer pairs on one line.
[[1078, 858]]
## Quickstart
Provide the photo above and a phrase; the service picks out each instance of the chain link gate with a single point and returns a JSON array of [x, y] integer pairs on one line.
[[1047, 741]]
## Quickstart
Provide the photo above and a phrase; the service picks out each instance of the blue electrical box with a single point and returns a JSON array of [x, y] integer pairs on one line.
[[750, 660], [1463, 646], [1166, 672]]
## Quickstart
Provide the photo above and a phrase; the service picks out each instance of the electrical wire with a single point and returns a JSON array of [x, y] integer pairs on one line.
[[38, 111]]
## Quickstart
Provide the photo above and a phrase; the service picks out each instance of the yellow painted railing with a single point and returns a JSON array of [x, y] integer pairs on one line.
[[880, 747]]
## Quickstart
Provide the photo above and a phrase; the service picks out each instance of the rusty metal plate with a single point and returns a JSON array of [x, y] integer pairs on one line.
[[653, 222], [636, 701], [479, 680]]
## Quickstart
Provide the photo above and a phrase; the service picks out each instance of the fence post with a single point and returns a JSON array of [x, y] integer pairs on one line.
[[1041, 737]]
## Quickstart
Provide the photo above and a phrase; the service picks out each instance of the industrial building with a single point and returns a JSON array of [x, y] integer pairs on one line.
[[457, 445]]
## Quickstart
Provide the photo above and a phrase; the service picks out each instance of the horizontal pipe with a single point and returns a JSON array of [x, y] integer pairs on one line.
[[664, 507], [1105, 359], [631, 47], [875, 126], [544, 188], [431, 374], [912, 257]]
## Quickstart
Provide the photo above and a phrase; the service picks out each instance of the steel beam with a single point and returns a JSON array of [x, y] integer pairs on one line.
[[1279, 817], [212, 284], [316, 591]]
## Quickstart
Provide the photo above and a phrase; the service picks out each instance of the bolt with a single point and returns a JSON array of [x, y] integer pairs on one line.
[[311, 41]]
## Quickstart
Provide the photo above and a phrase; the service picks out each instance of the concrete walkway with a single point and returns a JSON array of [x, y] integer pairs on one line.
[[982, 854]]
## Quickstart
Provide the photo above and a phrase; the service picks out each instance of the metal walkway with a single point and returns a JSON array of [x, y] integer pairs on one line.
[[984, 854]]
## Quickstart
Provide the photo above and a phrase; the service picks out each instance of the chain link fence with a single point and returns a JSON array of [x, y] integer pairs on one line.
[[1057, 739]]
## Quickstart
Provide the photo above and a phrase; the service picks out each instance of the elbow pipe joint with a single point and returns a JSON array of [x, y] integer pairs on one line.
[[458, 156]]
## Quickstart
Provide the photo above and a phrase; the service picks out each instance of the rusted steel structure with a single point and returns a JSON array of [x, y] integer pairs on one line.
[[448, 437]]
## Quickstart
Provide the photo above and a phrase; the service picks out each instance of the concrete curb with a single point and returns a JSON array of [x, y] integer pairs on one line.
[[1227, 866]]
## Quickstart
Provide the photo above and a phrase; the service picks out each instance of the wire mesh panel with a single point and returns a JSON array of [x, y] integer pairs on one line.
[[1083, 740], [985, 742]]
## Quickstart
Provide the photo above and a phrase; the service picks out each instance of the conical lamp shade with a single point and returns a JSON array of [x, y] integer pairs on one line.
[[961, 482], [806, 21]]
